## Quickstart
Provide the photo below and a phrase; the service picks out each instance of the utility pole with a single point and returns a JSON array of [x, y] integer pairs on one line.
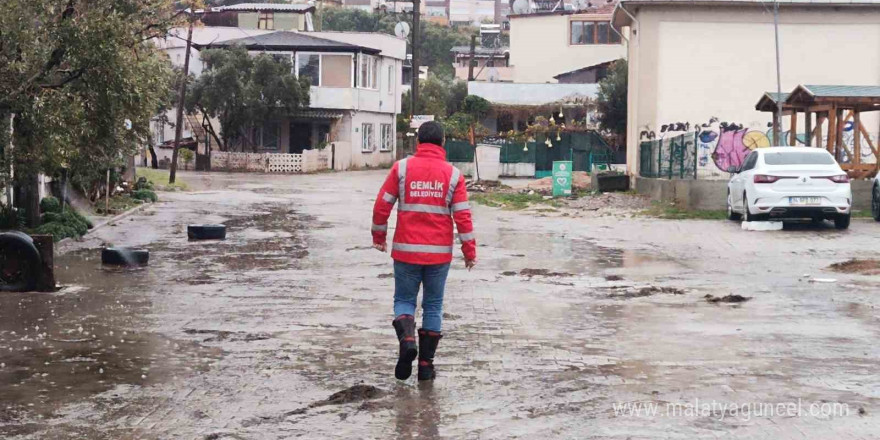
[[777, 129], [417, 15], [473, 58], [181, 101]]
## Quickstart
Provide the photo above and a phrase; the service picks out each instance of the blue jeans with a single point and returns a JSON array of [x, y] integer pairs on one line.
[[407, 279]]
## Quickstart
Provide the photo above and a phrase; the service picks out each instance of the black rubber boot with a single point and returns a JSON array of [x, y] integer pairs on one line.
[[405, 326], [428, 341]]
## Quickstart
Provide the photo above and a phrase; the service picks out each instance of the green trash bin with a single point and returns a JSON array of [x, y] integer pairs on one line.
[[562, 178]]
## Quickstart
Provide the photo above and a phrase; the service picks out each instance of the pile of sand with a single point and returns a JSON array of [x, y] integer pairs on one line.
[[580, 180]]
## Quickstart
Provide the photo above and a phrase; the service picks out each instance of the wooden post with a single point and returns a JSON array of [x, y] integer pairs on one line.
[[838, 133], [792, 137], [45, 245], [857, 137], [776, 129], [808, 128], [473, 58], [832, 126], [107, 197]]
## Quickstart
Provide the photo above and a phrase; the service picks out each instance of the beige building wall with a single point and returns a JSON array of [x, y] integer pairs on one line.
[[540, 47], [691, 64]]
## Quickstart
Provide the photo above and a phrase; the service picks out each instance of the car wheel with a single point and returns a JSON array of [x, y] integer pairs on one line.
[[842, 221], [731, 214], [875, 203], [206, 232], [121, 256]]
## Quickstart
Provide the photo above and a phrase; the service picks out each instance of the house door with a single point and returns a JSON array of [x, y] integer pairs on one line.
[[300, 137]]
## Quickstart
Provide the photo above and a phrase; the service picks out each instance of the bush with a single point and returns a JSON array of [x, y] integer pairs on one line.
[[57, 230], [11, 218], [143, 183], [62, 225], [50, 204], [145, 195]]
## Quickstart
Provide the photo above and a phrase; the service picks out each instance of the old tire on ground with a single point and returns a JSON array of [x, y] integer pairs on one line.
[[206, 232], [20, 262], [842, 221], [122, 256]]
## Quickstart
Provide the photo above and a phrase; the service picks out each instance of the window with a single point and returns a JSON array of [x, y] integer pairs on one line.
[[593, 32], [336, 70], [798, 158], [268, 135], [266, 21], [750, 161], [281, 57], [391, 78], [387, 143], [369, 72], [309, 65], [368, 142]]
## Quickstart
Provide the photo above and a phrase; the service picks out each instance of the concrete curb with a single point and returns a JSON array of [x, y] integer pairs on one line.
[[106, 222]]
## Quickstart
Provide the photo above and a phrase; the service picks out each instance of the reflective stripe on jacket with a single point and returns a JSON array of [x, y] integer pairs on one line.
[[431, 195]]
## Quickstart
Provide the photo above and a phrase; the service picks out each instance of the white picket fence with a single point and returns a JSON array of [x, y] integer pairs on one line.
[[308, 162]]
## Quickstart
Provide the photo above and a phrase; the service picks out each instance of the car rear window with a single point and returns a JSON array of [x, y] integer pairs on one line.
[[798, 158]]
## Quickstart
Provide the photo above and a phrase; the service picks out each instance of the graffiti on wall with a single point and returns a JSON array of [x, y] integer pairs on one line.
[[723, 143]]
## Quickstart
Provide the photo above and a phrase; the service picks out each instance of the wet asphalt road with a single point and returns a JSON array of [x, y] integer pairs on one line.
[[249, 337]]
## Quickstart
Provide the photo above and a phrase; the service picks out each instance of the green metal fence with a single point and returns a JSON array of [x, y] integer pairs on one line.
[[459, 151], [670, 158]]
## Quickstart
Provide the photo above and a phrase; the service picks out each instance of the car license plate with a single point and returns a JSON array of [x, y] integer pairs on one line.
[[804, 201]]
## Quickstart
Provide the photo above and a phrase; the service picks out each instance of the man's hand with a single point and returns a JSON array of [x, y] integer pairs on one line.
[[469, 264], [380, 247]]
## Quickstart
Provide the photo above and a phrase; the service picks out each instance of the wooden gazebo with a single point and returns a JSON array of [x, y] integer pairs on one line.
[[834, 105]]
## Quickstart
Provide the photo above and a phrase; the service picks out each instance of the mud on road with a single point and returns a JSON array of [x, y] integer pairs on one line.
[[283, 330]]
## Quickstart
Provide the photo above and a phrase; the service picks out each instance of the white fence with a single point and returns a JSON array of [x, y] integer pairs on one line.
[[308, 162]]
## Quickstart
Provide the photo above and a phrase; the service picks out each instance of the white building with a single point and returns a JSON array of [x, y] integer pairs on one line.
[[355, 91], [701, 66]]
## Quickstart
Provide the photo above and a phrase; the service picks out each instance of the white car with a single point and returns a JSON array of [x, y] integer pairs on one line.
[[788, 183]]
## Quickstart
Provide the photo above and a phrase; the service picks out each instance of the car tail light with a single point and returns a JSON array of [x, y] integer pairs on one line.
[[764, 178], [840, 178]]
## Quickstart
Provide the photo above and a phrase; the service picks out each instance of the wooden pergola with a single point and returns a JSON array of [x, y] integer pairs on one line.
[[833, 106]]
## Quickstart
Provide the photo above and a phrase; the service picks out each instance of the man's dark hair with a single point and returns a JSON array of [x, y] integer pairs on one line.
[[431, 133]]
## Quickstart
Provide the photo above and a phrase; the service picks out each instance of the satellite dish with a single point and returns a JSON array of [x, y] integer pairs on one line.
[[402, 30], [580, 5], [521, 7]]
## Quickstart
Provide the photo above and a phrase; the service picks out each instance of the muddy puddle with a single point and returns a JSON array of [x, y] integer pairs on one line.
[[87, 338], [579, 256]]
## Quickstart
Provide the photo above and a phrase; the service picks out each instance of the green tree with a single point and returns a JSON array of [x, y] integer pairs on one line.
[[611, 101], [437, 40], [242, 91], [440, 96], [82, 80]]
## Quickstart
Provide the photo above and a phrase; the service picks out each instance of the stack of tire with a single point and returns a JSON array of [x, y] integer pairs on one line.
[[20, 262]]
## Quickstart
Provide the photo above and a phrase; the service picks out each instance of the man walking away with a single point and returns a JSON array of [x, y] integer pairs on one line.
[[431, 194]]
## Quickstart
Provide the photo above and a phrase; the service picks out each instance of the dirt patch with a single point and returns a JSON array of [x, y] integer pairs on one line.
[[613, 278], [857, 266], [537, 273], [385, 276], [647, 291], [221, 335], [579, 180], [731, 299]]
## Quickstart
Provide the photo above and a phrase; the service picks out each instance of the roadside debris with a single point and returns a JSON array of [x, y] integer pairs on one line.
[[823, 280], [761, 226], [641, 292], [536, 273], [857, 266], [726, 299]]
